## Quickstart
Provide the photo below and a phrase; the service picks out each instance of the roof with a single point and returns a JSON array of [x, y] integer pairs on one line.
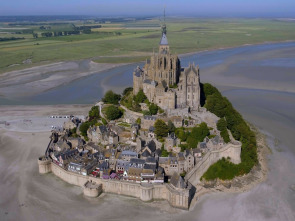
[[137, 71], [164, 40], [137, 161], [129, 153], [163, 160], [177, 181], [134, 171], [203, 145], [149, 167], [148, 117], [146, 154], [151, 160], [152, 146]]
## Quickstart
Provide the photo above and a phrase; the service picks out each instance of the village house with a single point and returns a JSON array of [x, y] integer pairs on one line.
[[128, 155], [148, 121]]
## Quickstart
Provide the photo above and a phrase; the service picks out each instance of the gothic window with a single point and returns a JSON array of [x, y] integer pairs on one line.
[[188, 89], [188, 96]]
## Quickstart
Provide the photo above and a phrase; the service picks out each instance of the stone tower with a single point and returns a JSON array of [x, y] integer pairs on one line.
[[163, 66], [165, 83]]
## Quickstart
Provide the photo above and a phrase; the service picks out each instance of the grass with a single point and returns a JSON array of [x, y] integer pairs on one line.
[[139, 38]]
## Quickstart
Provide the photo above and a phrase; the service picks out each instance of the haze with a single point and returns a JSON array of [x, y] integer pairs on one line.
[[212, 8]]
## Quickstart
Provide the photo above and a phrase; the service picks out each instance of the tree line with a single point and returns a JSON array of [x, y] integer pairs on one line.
[[233, 121]]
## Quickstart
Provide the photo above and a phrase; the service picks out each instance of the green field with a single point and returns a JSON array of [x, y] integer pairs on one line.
[[136, 40]]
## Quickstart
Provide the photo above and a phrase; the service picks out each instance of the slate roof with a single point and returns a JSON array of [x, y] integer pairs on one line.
[[146, 153], [164, 40], [151, 160], [128, 153], [152, 146], [148, 117], [203, 145], [137, 72]]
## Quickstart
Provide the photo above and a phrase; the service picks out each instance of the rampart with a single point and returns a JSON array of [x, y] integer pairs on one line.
[[231, 150], [179, 198]]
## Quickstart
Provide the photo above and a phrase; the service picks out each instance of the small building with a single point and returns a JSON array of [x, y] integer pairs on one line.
[[128, 154], [148, 121]]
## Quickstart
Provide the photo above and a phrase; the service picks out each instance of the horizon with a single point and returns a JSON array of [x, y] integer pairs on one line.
[[141, 8]]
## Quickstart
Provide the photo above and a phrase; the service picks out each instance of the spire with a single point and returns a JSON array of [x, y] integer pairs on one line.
[[164, 29], [164, 40]]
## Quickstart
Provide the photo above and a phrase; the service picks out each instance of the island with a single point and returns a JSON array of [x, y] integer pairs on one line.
[[158, 140]]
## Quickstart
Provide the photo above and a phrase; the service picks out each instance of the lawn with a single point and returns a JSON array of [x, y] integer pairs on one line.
[[134, 41]]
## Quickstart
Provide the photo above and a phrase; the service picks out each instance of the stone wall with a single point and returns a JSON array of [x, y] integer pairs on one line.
[[179, 198], [44, 165], [230, 150]]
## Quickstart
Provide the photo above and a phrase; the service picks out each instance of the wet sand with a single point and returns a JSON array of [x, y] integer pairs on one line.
[[35, 80], [263, 92]]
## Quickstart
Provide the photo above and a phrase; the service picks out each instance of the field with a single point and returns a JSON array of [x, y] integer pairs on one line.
[[134, 40]]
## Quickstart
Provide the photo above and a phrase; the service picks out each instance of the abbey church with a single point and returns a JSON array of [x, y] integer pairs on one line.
[[165, 82]]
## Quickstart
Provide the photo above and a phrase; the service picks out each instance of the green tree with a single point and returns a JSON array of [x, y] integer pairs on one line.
[[171, 126], [221, 124], [221, 107], [181, 134], [161, 128], [164, 153], [138, 121], [111, 98], [127, 90], [84, 127], [140, 97], [186, 122], [197, 135], [94, 113], [153, 108], [112, 112]]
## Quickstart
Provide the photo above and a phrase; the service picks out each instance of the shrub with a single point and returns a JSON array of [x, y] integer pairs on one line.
[[153, 108], [94, 113], [140, 97], [111, 98], [127, 91], [171, 126], [112, 112]]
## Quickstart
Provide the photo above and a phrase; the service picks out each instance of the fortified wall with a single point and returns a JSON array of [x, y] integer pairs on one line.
[[231, 150], [179, 198]]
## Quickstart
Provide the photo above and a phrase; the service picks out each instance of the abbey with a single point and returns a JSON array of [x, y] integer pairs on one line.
[[165, 82]]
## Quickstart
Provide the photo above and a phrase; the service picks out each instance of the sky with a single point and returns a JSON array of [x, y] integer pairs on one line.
[[198, 8]]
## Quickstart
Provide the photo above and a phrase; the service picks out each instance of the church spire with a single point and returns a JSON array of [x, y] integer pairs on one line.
[[164, 40], [164, 28]]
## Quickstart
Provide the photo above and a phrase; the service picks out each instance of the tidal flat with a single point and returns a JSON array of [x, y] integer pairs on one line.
[[258, 80]]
